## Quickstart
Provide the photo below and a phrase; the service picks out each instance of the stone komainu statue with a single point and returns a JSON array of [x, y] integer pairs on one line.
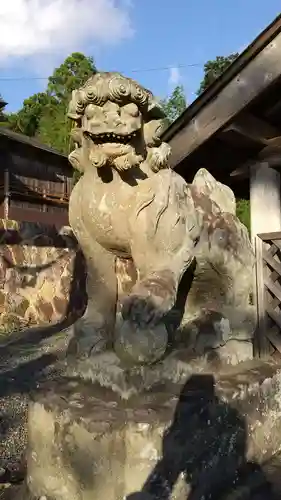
[[130, 210]]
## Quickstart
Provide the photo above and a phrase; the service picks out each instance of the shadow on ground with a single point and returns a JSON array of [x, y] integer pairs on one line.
[[30, 342], [206, 445], [25, 362], [25, 377]]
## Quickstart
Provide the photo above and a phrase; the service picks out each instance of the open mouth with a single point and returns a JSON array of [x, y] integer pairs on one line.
[[111, 137]]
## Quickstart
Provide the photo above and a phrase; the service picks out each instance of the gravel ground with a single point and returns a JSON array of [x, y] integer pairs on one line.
[[24, 363]]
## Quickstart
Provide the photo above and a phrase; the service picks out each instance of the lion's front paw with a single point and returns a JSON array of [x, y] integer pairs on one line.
[[141, 310], [145, 307], [141, 337]]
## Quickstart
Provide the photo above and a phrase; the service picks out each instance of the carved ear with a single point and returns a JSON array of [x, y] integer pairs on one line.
[[75, 159], [72, 107], [152, 131], [157, 158]]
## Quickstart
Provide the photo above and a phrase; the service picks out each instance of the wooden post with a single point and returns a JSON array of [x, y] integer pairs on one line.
[[265, 200], [265, 208], [6, 194]]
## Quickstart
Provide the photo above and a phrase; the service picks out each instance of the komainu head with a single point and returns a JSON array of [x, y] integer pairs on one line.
[[118, 124]]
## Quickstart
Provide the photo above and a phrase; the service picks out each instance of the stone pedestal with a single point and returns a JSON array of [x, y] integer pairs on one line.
[[86, 442]]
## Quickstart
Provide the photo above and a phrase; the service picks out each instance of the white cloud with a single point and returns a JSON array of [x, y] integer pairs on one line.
[[30, 28], [174, 76]]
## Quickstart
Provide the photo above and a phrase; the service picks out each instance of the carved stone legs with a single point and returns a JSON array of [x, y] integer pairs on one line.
[[93, 332], [161, 236], [162, 248], [154, 295]]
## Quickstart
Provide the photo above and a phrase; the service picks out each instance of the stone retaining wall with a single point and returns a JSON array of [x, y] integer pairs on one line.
[[42, 274]]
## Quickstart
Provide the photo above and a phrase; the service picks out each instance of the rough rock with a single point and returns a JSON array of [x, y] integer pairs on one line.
[[137, 346], [215, 294], [42, 274], [209, 436], [220, 195]]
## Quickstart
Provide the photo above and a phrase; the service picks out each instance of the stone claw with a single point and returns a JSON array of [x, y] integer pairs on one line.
[[149, 301], [143, 311]]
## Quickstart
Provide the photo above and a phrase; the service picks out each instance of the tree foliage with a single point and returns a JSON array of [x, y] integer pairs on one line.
[[70, 75], [243, 213], [44, 115], [213, 69], [27, 120], [3, 117], [175, 104], [54, 127]]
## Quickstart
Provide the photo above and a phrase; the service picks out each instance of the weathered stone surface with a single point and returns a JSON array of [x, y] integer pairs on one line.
[[221, 196], [202, 437], [142, 227], [217, 311], [42, 274], [137, 346]]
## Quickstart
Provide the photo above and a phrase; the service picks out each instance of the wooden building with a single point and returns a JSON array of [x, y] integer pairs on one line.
[[234, 130], [35, 180], [228, 127]]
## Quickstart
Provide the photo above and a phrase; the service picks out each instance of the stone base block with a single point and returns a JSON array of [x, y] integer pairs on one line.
[[201, 438]]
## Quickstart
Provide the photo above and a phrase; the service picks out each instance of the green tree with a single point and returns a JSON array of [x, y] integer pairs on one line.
[[70, 75], [213, 69], [54, 126], [3, 115], [175, 104], [44, 115], [27, 120], [243, 213]]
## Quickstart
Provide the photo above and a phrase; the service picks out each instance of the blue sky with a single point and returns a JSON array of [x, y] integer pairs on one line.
[[136, 37]]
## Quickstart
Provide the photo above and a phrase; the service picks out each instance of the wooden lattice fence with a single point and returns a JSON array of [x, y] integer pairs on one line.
[[268, 296]]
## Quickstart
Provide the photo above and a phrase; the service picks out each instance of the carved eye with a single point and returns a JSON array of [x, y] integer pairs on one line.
[[92, 110], [131, 109]]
